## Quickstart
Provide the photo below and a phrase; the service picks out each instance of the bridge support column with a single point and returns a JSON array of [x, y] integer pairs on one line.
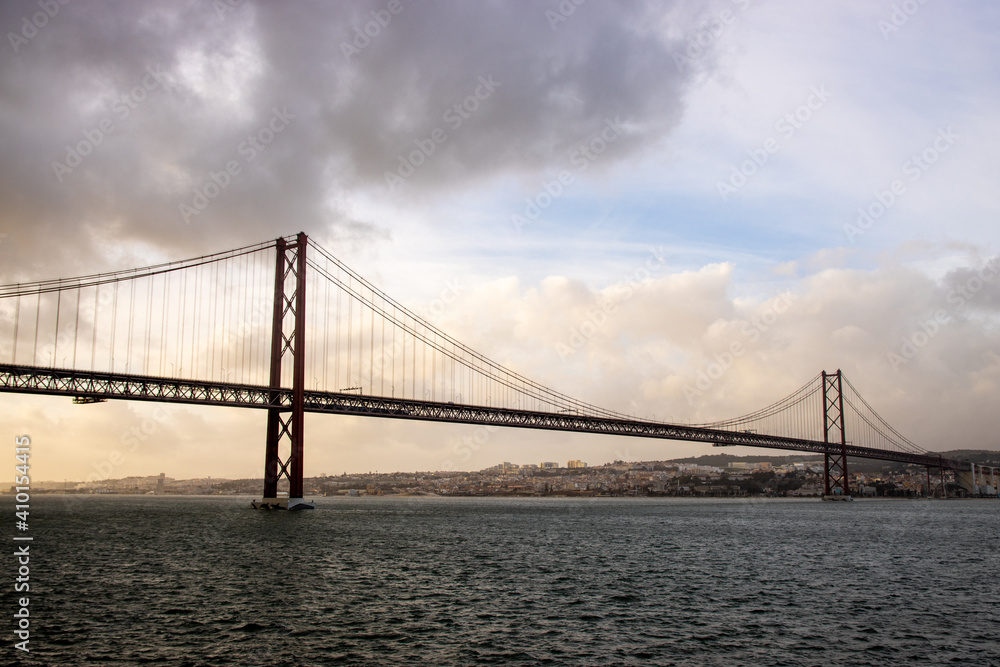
[[836, 482], [285, 421], [931, 492], [967, 479]]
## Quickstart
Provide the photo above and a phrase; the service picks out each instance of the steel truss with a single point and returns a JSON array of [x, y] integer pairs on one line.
[[38, 380], [834, 458]]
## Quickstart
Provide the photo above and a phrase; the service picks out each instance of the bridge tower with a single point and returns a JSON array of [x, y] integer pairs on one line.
[[288, 333], [835, 457]]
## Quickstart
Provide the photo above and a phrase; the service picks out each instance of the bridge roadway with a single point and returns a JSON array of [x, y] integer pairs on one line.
[[99, 385]]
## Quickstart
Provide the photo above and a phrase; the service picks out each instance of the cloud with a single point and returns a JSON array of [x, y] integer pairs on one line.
[[509, 95], [642, 354]]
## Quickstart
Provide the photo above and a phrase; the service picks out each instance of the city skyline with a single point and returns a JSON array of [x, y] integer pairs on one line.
[[717, 475]]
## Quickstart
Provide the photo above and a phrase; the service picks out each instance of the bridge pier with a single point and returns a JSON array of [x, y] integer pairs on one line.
[[967, 479], [931, 493], [285, 422], [976, 482]]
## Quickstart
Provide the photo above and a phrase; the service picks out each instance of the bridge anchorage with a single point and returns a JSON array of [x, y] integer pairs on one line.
[[239, 329]]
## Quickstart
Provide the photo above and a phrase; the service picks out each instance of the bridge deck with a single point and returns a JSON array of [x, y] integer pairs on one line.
[[90, 384]]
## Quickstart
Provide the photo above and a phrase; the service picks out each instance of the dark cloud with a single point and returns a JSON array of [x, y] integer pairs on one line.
[[162, 95], [975, 288]]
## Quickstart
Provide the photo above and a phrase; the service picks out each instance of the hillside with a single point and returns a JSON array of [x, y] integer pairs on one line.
[[982, 456]]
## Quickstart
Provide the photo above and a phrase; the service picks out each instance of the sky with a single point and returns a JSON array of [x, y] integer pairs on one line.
[[814, 181]]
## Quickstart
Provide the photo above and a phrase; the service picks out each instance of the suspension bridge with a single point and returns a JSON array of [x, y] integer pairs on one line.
[[286, 327]]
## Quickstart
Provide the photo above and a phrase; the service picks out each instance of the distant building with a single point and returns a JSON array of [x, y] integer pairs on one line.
[[576, 463], [549, 464], [160, 482]]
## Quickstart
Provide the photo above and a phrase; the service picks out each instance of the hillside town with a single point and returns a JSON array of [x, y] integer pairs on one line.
[[706, 476]]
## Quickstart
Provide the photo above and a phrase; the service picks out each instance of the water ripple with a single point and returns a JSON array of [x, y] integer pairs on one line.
[[375, 581]]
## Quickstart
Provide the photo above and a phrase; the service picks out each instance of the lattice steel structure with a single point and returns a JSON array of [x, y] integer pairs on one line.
[[285, 420], [835, 457], [33, 380]]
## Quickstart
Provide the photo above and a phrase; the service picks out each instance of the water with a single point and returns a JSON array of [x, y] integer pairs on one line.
[[414, 581]]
